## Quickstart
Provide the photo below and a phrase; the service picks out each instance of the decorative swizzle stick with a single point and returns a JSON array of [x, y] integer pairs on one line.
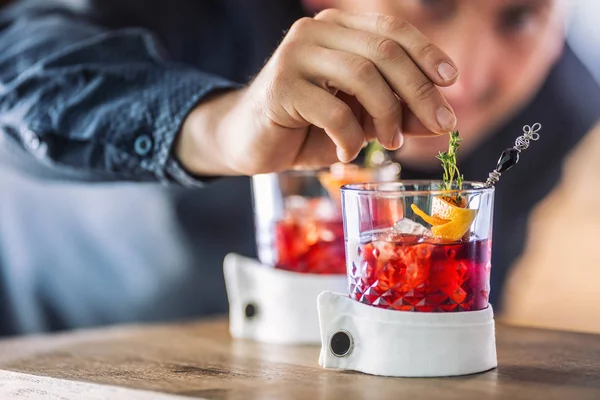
[[510, 157]]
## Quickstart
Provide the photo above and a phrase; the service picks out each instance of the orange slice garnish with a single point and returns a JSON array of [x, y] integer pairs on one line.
[[448, 221]]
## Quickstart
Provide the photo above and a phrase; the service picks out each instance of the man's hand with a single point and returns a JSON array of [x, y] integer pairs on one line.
[[335, 82]]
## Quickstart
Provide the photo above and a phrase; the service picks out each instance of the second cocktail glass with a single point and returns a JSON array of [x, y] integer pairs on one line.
[[299, 219]]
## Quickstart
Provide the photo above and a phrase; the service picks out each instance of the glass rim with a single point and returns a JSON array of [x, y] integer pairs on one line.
[[374, 188], [317, 171]]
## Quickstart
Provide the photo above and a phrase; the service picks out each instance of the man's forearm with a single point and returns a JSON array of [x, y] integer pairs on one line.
[[200, 144], [105, 102]]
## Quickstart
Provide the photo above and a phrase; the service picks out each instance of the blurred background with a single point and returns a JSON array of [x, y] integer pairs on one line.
[[555, 274], [584, 33]]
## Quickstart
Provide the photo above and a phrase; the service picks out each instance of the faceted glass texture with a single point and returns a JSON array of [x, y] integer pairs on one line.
[[411, 273]]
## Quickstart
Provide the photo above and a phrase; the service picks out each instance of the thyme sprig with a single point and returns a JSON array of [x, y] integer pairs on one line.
[[452, 177]]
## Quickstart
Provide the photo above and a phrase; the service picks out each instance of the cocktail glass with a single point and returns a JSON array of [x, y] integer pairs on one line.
[[299, 220], [405, 263]]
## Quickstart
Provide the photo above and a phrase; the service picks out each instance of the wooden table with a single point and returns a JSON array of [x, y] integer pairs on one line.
[[200, 360]]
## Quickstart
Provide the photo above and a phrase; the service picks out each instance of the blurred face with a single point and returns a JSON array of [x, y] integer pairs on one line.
[[504, 50]]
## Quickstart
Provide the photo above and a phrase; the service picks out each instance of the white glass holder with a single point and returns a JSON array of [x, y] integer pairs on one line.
[[272, 305], [360, 337]]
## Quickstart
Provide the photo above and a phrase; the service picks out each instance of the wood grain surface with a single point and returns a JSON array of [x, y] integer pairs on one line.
[[200, 360]]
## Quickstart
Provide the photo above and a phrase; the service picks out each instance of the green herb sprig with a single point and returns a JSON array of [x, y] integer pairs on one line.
[[452, 177]]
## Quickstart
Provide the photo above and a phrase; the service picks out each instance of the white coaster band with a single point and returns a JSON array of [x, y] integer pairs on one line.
[[404, 344], [273, 305]]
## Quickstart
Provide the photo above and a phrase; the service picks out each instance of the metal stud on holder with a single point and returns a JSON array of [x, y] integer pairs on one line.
[[341, 343], [510, 157], [250, 311]]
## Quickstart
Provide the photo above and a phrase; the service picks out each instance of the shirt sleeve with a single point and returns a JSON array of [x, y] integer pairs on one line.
[[105, 103]]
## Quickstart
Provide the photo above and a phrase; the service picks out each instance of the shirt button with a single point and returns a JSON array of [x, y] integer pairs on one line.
[[34, 142], [31, 139], [143, 145]]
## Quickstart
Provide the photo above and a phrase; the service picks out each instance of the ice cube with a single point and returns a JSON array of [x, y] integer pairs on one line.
[[410, 227]]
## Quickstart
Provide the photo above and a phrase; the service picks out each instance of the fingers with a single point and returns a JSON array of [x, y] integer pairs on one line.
[[355, 78], [410, 64], [323, 110], [432, 60], [415, 127], [317, 151], [359, 77]]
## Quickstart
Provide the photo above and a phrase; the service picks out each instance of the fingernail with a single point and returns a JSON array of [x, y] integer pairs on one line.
[[398, 140], [447, 71], [446, 118], [343, 155]]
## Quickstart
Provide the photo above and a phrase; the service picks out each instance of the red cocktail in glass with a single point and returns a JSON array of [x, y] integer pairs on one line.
[[416, 273], [309, 241], [440, 264], [299, 217]]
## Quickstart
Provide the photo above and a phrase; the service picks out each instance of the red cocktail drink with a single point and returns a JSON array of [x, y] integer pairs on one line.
[[308, 242], [299, 217], [417, 273]]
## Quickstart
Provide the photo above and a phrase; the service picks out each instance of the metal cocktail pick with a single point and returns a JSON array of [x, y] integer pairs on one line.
[[510, 157]]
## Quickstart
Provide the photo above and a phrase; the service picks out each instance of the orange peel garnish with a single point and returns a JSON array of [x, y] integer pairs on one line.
[[433, 220], [341, 175], [447, 220]]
